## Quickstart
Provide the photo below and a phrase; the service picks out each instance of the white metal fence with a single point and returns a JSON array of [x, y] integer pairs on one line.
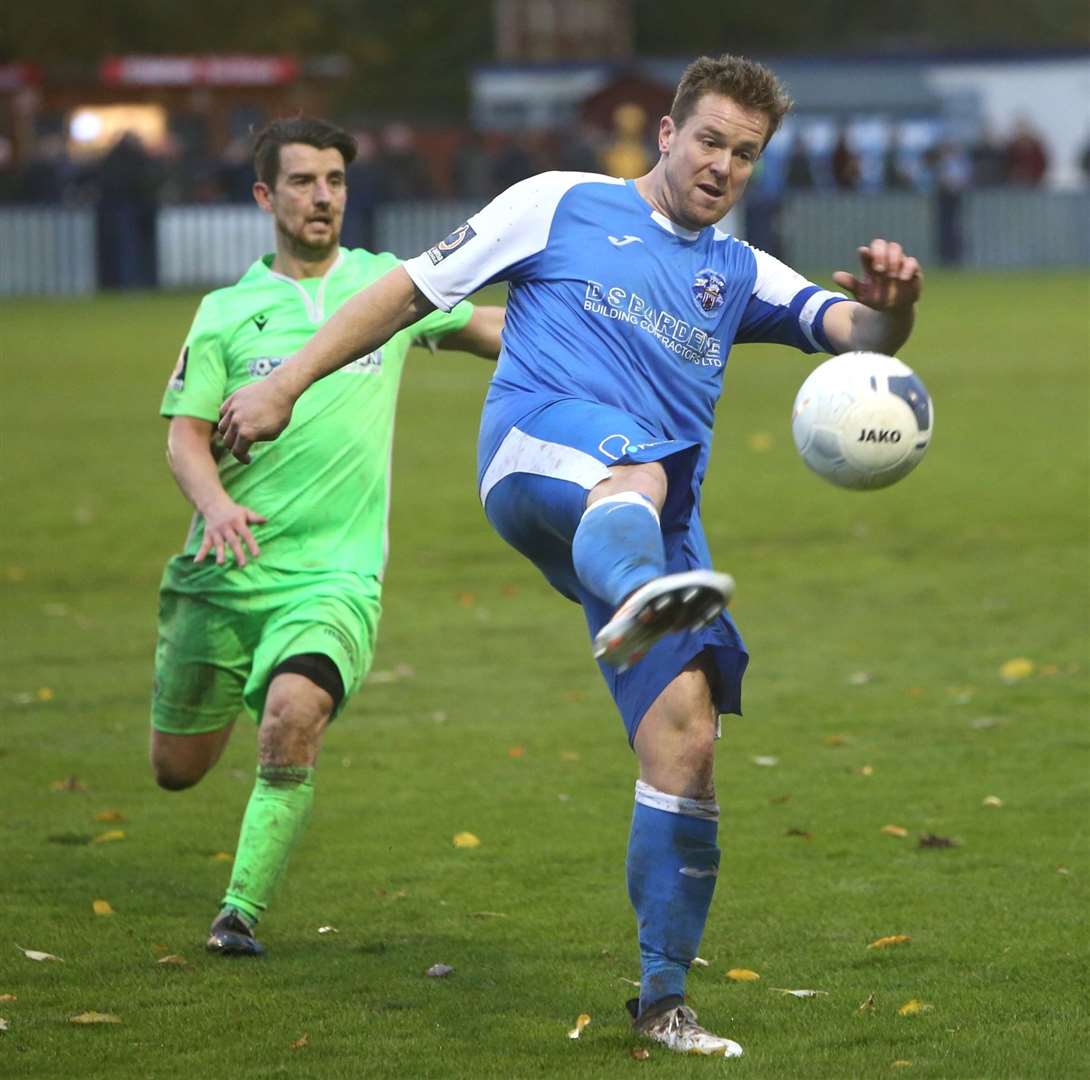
[[46, 250]]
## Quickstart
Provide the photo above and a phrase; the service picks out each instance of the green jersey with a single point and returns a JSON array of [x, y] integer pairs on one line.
[[324, 485]]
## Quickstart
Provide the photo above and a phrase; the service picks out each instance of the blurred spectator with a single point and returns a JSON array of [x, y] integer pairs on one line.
[[514, 162], [1084, 162], [844, 163], [127, 183], [472, 169], [989, 160], [9, 179], [235, 172], [405, 174], [50, 175], [895, 173], [800, 169], [579, 150], [366, 189], [626, 154], [1027, 161], [952, 172]]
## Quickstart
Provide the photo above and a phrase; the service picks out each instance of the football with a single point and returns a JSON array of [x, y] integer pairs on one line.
[[862, 420]]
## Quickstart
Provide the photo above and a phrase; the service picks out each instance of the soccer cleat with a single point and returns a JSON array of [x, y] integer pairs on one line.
[[672, 1023], [232, 935], [663, 606]]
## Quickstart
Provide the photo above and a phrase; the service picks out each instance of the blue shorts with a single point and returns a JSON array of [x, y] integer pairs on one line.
[[534, 491]]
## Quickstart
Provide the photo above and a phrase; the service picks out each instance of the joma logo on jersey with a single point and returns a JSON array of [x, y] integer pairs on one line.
[[691, 343], [878, 435]]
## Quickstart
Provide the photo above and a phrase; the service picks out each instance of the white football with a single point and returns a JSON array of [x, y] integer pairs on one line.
[[862, 420]]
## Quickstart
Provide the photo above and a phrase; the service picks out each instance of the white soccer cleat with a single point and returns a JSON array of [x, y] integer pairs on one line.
[[675, 1027], [663, 606]]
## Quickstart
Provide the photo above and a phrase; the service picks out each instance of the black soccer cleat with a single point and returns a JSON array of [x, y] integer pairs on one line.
[[232, 935]]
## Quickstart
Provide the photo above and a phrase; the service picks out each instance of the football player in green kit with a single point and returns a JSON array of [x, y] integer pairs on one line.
[[273, 605]]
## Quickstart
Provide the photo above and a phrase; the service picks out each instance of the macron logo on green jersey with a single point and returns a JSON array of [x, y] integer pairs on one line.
[[261, 320]]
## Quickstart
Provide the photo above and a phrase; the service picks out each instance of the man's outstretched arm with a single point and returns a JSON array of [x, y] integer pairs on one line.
[[261, 410], [886, 295]]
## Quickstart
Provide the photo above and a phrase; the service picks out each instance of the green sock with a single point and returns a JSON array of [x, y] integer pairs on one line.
[[275, 818]]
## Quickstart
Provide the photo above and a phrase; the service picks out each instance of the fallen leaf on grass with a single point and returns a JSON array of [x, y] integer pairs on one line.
[[865, 770], [699, 961], [639, 1053], [778, 800], [859, 678], [109, 836], [835, 740], [868, 1005], [171, 960], [439, 971], [890, 939], [3, 1024], [913, 1007], [931, 840], [94, 1018], [109, 815], [800, 993], [766, 760], [1014, 670], [800, 832], [1063, 870], [34, 954], [580, 1023], [569, 755], [488, 915], [901, 1063], [222, 856], [70, 783], [303, 1040], [992, 800], [742, 975], [44, 694], [760, 442], [894, 830], [466, 840], [101, 907], [516, 752], [630, 982], [8, 997], [328, 930]]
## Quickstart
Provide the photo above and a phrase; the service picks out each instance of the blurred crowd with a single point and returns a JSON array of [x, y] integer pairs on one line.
[[396, 163]]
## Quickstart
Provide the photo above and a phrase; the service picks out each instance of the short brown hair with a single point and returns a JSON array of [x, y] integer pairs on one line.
[[298, 129], [745, 82]]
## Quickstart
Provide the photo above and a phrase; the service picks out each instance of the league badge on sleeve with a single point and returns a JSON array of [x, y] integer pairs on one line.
[[451, 244], [177, 376], [709, 290]]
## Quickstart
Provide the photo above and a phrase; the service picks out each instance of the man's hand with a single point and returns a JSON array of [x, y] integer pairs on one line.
[[227, 525], [891, 279], [258, 412]]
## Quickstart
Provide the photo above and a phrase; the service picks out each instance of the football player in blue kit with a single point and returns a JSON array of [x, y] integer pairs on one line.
[[625, 300]]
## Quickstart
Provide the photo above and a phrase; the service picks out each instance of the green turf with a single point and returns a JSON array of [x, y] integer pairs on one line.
[[927, 588]]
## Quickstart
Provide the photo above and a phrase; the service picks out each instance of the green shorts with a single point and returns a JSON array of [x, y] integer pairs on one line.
[[218, 646]]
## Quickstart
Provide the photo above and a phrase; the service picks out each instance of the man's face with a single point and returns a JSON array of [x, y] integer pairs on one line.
[[710, 158], [307, 199]]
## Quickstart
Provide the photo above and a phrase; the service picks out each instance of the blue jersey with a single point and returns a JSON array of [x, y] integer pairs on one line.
[[612, 302]]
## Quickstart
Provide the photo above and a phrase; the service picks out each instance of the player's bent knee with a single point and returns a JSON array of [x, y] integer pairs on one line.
[[172, 778]]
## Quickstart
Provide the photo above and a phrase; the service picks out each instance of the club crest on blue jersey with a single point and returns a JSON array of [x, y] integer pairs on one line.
[[709, 290], [451, 244]]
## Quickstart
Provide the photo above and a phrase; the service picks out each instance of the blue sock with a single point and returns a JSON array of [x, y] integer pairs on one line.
[[672, 864], [618, 547]]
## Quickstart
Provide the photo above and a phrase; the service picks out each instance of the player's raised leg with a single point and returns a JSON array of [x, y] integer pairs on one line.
[[180, 761], [297, 710], [673, 857], [618, 555]]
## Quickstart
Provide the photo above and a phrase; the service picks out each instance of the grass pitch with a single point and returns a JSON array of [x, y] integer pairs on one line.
[[879, 625]]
